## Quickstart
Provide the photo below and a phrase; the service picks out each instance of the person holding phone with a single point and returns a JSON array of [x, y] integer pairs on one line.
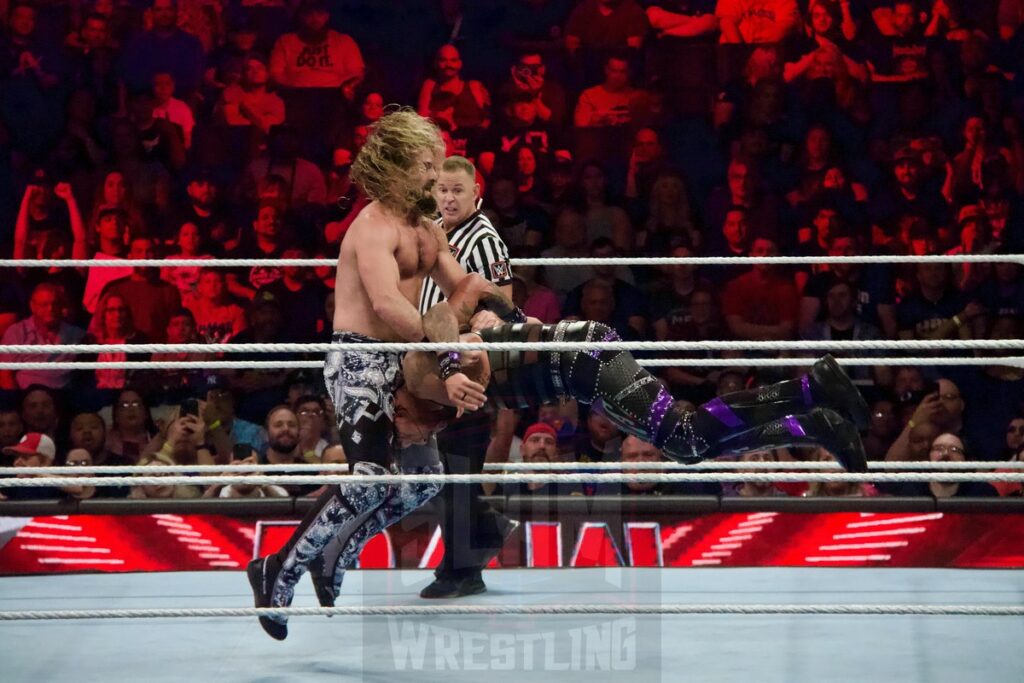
[[184, 437], [243, 454]]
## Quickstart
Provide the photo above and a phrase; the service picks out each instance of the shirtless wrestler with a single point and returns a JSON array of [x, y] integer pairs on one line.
[[388, 251]]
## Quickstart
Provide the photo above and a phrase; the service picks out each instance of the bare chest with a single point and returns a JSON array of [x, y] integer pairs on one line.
[[417, 253]]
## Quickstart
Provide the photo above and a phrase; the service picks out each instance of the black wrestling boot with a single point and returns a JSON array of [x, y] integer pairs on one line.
[[826, 386], [262, 573], [445, 588], [322, 585], [838, 392], [820, 427]]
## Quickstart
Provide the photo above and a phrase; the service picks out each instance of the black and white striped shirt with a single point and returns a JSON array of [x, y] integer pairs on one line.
[[478, 247]]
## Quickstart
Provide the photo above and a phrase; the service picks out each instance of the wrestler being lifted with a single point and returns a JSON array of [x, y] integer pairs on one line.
[[390, 248], [821, 408]]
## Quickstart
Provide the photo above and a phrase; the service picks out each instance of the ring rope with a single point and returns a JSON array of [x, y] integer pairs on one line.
[[439, 610], [400, 347], [541, 261], [542, 478], [709, 465], [645, 362]]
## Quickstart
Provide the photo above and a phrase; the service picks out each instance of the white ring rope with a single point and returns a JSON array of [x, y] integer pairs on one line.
[[400, 347], [561, 261], [441, 610], [709, 465], [542, 478], [1017, 361]]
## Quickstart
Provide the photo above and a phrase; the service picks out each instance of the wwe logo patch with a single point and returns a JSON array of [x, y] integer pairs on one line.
[[501, 271], [454, 250]]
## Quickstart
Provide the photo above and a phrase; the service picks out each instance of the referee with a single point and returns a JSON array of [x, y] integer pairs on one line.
[[473, 531]]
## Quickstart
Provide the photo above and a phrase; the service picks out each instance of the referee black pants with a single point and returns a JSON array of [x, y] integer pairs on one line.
[[470, 527]]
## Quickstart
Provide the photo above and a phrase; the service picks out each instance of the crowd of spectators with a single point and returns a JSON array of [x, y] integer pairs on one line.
[[215, 128]]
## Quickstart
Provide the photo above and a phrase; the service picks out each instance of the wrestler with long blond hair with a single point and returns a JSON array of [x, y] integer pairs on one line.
[[388, 251]]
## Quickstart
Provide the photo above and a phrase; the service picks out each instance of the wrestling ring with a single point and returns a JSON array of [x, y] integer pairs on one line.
[[618, 623]]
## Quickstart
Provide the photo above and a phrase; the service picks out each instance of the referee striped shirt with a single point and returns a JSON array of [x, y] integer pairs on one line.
[[478, 247]]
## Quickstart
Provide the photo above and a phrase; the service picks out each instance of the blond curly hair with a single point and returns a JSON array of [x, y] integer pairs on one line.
[[385, 166]]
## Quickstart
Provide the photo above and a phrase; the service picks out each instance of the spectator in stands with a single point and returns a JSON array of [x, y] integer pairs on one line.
[[529, 77], [158, 491], [540, 445], [946, 447], [842, 323], [519, 128], [45, 325], [112, 230], [164, 47], [744, 189], [313, 418], [751, 489], [152, 301], [113, 323], [11, 428], [519, 224], [823, 53], [670, 221], [570, 240], [691, 21], [901, 53], [302, 177], [757, 21], [40, 410], [114, 192], [629, 312], [25, 55], [161, 141], [883, 428], [647, 161], [189, 245], [530, 294], [39, 218], [166, 106], [464, 105], [601, 25], [248, 102], [282, 438], [78, 457], [244, 490], [33, 450], [937, 309], [600, 442], [217, 317], [614, 102], [316, 56], [763, 303], [88, 432], [874, 289], [1014, 437], [219, 415], [183, 439], [202, 208], [131, 429], [604, 218], [301, 295]]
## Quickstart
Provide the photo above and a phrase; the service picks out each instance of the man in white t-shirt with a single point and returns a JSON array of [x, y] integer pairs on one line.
[[315, 56], [167, 106]]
